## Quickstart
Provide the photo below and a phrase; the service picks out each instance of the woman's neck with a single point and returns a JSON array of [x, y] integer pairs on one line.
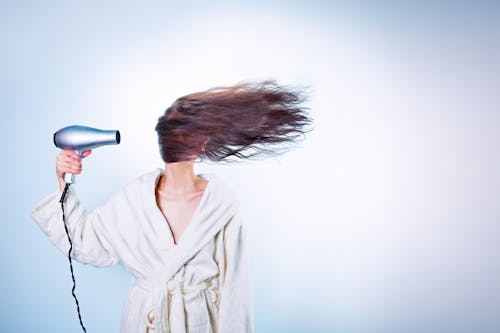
[[178, 178]]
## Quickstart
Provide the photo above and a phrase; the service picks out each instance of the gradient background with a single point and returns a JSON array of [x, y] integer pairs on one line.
[[385, 219]]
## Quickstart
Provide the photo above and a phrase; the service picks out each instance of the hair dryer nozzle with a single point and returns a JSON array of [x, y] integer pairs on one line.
[[82, 138]]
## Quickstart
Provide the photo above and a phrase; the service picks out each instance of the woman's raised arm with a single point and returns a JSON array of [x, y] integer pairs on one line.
[[89, 232]]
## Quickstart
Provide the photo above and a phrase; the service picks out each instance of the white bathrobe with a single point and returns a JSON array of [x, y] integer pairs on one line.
[[202, 284]]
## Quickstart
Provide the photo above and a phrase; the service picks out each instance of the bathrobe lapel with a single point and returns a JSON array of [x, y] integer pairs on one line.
[[215, 209]]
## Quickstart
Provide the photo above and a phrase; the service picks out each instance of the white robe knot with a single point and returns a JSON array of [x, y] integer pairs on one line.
[[168, 296]]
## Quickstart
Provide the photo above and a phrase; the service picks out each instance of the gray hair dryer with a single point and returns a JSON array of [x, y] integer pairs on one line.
[[82, 138]]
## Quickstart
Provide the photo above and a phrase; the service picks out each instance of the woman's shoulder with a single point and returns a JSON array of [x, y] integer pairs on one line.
[[145, 183], [221, 187]]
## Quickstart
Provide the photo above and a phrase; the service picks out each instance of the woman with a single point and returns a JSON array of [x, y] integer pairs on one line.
[[180, 234]]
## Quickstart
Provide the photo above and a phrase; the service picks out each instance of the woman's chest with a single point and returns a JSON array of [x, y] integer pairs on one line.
[[178, 213]]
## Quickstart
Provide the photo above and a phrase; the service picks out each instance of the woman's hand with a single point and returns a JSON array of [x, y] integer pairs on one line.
[[68, 161]]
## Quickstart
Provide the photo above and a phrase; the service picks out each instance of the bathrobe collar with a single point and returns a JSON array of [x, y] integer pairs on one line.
[[216, 208]]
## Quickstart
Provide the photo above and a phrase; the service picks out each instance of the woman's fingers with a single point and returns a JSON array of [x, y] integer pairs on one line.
[[72, 154], [86, 153], [69, 161], [68, 155], [69, 166]]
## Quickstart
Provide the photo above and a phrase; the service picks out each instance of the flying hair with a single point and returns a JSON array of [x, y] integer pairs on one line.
[[245, 121]]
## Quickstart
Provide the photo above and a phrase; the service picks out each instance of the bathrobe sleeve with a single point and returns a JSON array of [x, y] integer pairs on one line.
[[236, 304], [88, 231]]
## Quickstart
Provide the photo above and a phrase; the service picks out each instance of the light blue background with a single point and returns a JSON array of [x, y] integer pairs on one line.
[[386, 219]]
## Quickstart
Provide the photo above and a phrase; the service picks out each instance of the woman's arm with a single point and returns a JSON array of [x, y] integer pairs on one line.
[[236, 303], [88, 232]]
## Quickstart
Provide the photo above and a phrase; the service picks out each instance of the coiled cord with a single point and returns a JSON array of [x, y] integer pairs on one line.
[[63, 196]]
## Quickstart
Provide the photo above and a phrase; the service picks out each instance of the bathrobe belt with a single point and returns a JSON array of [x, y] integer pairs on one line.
[[168, 295]]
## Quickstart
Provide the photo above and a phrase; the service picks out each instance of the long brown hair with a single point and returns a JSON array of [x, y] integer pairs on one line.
[[245, 120]]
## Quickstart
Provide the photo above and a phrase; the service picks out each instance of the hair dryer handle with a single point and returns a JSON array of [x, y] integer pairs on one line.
[[70, 178]]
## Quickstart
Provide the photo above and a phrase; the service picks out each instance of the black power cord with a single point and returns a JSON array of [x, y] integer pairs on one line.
[[63, 196]]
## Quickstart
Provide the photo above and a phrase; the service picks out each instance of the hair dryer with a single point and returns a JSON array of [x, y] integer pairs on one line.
[[82, 138]]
